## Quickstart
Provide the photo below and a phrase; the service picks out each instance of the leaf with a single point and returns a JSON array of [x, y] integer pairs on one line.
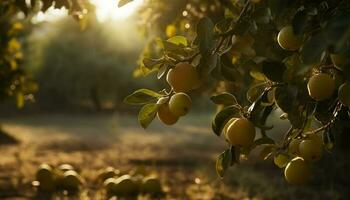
[[223, 162], [299, 21], [161, 71], [142, 96], [207, 64], [151, 63], [256, 74], [273, 70], [313, 48], [223, 25], [205, 35], [222, 118], [224, 99], [285, 96], [255, 91], [123, 2], [178, 40], [147, 114]]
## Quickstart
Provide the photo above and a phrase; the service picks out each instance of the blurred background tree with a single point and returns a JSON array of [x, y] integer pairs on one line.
[[84, 68]]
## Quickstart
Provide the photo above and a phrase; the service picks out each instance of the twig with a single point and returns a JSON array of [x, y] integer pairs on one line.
[[231, 31], [330, 123]]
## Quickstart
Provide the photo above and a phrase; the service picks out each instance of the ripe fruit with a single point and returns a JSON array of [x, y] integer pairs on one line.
[[109, 172], [183, 77], [165, 116], [311, 148], [241, 132], [170, 30], [344, 94], [71, 180], [152, 185], [110, 185], [321, 86], [126, 186], [288, 40], [45, 176], [140, 170], [180, 104], [281, 160], [293, 147], [65, 167], [297, 171], [339, 60], [224, 130]]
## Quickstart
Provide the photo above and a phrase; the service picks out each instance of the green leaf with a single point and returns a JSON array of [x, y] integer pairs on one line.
[[223, 25], [147, 114], [161, 71], [224, 99], [178, 40], [313, 48], [262, 15], [255, 91], [273, 70], [207, 64], [299, 21], [256, 74], [222, 118], [142, 96], [205, 35], [285, 96], [123, 2], [151, 63], [223, 162]]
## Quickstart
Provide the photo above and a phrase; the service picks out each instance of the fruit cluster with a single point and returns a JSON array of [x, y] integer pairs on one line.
[[63, 177], [51, 179], [136, 182], [182, 78], [287, 70], [305, 147]]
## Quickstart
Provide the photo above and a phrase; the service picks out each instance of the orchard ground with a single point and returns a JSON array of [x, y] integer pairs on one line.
[[183, 155]]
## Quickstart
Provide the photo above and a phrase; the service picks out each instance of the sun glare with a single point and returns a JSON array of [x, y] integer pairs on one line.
[[108, 9], [105, 10]]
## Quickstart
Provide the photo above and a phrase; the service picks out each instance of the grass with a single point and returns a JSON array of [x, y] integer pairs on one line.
[[183, 156]]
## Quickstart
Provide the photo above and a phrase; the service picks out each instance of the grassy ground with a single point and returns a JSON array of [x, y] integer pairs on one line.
[[182, 155]]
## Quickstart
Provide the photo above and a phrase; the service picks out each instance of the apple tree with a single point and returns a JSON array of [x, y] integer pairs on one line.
[[280, 54], [15, 17]]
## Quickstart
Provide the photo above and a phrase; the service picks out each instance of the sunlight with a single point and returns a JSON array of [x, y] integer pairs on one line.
[[108, 9], [105, 10]]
